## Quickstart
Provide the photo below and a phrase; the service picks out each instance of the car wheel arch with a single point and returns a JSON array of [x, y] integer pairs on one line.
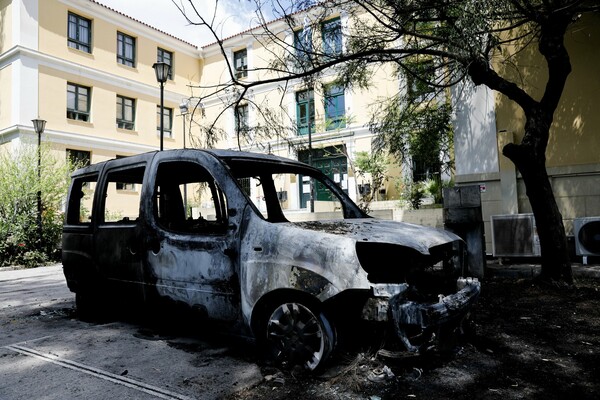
[[307, 309]]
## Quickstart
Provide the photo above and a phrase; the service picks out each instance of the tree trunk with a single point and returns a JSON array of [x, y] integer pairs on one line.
[[529, 158], [530, 155]]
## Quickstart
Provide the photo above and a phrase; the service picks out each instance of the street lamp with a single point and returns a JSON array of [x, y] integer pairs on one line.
[[184, 110], [38, 126], [162, 70]]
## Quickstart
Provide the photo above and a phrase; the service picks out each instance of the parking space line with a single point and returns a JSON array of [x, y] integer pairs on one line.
[[98, 373]]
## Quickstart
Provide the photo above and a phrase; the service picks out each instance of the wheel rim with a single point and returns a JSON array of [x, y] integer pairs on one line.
[[298, 336]]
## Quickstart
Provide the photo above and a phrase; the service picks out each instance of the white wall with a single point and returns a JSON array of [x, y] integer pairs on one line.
[[474, 130]]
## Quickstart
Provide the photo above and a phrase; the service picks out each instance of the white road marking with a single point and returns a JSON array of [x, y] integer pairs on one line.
[[98, 373]]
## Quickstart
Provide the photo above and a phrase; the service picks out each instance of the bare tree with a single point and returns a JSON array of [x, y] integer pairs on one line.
[[459, 39]]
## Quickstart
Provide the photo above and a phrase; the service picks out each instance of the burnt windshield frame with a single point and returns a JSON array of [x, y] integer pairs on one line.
[[245, 168]]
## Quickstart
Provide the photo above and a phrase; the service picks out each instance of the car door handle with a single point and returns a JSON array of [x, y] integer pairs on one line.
[[155, 246], [132, 247]]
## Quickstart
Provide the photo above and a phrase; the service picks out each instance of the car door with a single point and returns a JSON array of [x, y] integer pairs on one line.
[[117, 236], [193, 236]]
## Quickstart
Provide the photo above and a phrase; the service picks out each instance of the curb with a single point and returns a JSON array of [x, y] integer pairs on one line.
[[527, 271]]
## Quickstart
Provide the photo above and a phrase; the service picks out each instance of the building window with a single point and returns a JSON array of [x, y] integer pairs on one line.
[[241, 119], [332, 37], [240, 63], [167, 121], [303, 45], [305, 111], [78, 158], [125, 112], [78, 102], [79, 32], [124, 185], [165, 56], [335, 107], [125, 49]]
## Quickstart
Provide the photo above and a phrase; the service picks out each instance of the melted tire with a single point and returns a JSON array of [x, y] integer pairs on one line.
[[296, 335]]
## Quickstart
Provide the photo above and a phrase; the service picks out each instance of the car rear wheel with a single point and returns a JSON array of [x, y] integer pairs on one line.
[[88, 303], [297, 335]]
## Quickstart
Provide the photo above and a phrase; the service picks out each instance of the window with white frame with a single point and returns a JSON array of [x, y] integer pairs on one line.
[[303, 45], [240, 63], [241, 119], [79, 158], [305, 111], [125, 112], [125, 49], [165, 56], [332, 37], [335, 107], [167, 116], [79, 33], [78, 102]]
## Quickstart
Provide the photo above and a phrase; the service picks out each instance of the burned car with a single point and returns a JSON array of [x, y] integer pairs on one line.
[[224, 233]]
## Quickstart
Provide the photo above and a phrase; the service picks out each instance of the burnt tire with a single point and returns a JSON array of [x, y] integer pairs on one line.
[[88, 304], [294, 334]]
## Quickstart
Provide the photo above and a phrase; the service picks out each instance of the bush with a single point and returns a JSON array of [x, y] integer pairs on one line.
[[21, 241], [412, 193], [435, 187]]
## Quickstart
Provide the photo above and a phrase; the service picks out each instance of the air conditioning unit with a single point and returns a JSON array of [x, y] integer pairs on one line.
[[515, 235], [587, 236]]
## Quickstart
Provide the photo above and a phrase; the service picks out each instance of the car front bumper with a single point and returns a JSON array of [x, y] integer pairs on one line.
[[390, 304]]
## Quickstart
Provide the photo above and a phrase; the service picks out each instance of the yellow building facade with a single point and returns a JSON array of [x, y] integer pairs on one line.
[[337, 118], [486, 121], [87, 70]]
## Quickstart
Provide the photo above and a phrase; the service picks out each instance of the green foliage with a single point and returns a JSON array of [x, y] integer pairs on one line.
[[375, 164], [434, 187], [422, 134], [21, 242], [412, 193]]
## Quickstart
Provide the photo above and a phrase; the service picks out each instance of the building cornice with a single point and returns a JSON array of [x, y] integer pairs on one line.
[[132, 25], [19, 52], [75, 140], [279, 26]]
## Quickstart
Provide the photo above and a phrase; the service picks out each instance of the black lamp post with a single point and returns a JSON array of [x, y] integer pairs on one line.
[[162, 70], [38, 126]]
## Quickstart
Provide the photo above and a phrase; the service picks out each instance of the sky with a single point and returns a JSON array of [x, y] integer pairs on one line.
[[232, 16]]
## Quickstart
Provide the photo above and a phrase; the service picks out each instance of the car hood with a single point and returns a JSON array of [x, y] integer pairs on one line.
[[419, 237]]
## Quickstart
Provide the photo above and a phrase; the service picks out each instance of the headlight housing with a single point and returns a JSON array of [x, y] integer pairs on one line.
[[392, 263]]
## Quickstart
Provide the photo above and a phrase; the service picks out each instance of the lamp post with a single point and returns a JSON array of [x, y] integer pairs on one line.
[[38, 126], [184, 110], [310, 150], [162, 70]]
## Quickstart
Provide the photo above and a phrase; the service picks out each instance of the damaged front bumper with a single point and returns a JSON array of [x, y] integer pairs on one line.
[[390, 304]]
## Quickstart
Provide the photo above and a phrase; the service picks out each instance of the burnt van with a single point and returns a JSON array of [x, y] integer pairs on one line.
[[230, 235]]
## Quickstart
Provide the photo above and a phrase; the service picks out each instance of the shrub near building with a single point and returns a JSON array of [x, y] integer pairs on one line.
[[21, 241]]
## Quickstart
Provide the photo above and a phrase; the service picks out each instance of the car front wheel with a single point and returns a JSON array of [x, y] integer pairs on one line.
[[296, 335]]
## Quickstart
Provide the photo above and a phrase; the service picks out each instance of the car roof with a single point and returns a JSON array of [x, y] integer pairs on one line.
[[227, 156], [246, 155]]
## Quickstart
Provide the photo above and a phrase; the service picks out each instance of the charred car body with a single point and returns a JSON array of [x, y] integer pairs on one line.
[[293, 286]]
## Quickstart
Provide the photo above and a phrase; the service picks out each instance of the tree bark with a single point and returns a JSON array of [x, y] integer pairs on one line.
[[530, 155], [556, 265]]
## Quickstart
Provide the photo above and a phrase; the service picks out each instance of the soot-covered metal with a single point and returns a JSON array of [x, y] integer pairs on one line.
[[210, 230]]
